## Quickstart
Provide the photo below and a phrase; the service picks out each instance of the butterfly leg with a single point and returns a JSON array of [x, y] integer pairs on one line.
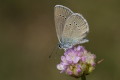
[[84, 41]]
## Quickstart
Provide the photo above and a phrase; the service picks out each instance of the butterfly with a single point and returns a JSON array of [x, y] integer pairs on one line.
[[71, 28]]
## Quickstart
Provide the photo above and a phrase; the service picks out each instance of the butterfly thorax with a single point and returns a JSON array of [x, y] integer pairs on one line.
[[65, 45]]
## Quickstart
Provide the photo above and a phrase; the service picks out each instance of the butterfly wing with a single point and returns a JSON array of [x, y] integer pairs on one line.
[[61, 13], [75, 30]]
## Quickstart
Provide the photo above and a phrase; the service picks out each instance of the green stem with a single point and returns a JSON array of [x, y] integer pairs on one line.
[[83, 77]]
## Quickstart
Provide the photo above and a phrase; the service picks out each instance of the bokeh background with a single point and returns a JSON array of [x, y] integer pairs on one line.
[[28, 36]]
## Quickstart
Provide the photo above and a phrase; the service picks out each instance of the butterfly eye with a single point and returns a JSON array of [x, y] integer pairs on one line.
[[59, 46]]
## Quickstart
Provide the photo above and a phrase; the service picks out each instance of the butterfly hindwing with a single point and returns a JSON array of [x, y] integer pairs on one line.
[[75, 29]]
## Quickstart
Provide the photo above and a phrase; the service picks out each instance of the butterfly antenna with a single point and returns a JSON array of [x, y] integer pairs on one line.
[[52, 51], [57, 51]]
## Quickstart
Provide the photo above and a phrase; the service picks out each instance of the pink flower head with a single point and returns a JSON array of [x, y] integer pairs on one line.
[[77, 61]]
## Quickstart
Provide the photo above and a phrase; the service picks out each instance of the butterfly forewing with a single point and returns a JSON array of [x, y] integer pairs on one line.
[[61, 13], [75, 29]]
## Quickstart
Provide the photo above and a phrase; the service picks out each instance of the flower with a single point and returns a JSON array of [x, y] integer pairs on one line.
[[77, 61]]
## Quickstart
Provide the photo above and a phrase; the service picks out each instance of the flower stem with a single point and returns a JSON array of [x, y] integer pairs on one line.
[[83, 77]]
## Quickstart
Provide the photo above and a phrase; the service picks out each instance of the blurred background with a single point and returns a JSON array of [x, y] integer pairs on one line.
[[28, 36]]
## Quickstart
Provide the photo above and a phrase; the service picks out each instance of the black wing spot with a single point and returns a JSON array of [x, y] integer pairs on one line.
[[69, 24], [60, 15], [76, 24], [65, 17]]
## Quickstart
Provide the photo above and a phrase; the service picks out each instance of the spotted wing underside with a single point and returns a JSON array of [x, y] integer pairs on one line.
[[75, 30], [61, 13]]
